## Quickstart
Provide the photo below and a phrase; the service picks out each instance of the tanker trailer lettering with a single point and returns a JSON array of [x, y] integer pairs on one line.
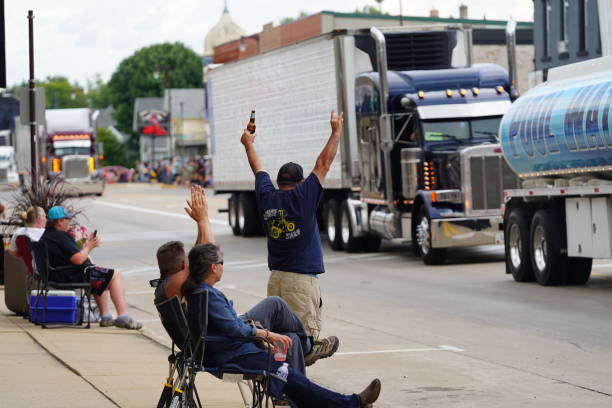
[[592, 119], [539, 137], [552, 144], [525, 133], [513, 132], [573, 120], [533, 128], [605, 121]]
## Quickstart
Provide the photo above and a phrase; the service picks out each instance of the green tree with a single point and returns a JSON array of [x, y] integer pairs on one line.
[[115, 152], [179, 67], [98, 94], [370, 10], [61, 94], [292, 19]]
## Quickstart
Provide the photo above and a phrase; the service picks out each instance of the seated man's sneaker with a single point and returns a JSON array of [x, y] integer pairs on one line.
[[106, 321], [322, 348], [127, 322]]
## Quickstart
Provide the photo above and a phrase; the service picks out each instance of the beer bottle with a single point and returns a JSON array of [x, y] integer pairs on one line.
[[251, 124]]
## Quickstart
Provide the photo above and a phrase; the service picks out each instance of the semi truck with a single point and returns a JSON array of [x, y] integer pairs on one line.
[[419, 157], [70, 150], [558, 139]]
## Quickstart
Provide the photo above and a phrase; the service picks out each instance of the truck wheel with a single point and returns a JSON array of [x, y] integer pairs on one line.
[[430, 256], [349, 241], [548, 264], [332, 222], [247, 215], [579, 270], [232, 213], [517, 246]]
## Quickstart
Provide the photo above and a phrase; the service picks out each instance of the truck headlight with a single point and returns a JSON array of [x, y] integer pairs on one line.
[[446, 196]]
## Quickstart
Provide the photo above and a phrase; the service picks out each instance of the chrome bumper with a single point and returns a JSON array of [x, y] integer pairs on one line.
[[84, 186], [464, 232]]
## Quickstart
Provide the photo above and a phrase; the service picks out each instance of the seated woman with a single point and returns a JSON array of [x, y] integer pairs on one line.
[[63, 251], [34, 219], [205, 270]]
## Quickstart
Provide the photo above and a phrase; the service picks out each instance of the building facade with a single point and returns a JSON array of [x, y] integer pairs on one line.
[[189, 130], [565, 31]]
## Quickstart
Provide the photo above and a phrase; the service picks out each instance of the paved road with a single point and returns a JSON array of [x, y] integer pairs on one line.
[[462, 335]]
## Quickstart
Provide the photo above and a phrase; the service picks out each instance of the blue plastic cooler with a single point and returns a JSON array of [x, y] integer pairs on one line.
[[61, 307]]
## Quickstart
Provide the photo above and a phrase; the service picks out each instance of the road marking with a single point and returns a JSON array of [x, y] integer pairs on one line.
[[156, 212], [136, 271], [414, 350], [140, 292]]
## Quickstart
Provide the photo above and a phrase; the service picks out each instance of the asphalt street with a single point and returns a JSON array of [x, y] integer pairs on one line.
[[463, 334]]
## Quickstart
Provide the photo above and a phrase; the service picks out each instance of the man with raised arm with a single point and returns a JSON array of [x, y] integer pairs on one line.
[[295, 254]]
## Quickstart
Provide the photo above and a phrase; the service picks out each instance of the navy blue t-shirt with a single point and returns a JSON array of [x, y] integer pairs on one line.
[[289, 217]]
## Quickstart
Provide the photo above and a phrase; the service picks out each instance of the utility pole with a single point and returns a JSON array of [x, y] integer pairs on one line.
[[33, 124], [401, 14]]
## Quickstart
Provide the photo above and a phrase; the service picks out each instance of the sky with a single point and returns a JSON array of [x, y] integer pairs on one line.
[[80, 39]]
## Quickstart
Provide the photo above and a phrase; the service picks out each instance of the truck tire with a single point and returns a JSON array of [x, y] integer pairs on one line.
[[578, 270], [332, 223], [247, 215], [516, 246], [549, 265], [429, 255], [350, 242], [232, 213]]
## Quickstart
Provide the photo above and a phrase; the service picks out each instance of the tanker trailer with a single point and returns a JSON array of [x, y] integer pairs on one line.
[[557, 138]]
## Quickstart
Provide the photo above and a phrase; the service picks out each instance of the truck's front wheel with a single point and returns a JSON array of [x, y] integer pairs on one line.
[[517, 246], [430, 255], [549, 265]]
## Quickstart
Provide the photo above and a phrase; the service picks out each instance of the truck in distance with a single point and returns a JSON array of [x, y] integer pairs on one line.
[[419, 157], [70, 150]]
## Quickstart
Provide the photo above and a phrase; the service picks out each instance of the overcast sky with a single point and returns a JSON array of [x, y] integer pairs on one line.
[[78, 39]]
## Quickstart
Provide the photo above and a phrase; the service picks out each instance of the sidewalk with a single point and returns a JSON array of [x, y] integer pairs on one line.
[[99, 367]]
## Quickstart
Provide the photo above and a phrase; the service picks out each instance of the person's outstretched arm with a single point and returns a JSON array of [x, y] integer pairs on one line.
[[197, 209], [327, 155], [248, 139]]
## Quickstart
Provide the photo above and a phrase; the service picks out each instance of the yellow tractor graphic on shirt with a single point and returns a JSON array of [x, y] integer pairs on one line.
[[279, 225]]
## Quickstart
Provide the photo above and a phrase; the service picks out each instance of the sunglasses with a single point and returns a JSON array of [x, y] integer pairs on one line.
[[219, 263]]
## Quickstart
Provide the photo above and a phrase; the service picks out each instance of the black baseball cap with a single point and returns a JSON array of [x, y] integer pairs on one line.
[[290, 173]]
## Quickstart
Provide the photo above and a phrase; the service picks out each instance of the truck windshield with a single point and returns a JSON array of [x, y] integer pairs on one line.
[[5, 158], [460, 131], [65, 151]]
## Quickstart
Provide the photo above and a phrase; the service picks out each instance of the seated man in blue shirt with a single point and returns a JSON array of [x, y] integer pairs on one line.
[[205, 270], [272, 312]]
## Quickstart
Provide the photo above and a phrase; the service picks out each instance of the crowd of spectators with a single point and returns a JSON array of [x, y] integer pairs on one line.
[[179, 171]]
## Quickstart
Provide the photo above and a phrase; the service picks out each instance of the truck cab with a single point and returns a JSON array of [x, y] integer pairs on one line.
[[437, 138]]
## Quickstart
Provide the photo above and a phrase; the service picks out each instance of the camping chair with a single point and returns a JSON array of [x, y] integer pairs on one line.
[[257, 380], [173, 319], [42, 271]]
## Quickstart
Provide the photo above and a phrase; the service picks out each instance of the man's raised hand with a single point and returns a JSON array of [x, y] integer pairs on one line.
[[197, 206], [336, 121], [248, 137]]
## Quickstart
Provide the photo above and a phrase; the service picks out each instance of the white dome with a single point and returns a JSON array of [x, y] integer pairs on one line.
[[225, 30]]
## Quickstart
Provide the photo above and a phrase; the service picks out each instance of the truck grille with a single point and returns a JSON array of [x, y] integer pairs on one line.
[[489, 177], [3, 175], [76, 167]]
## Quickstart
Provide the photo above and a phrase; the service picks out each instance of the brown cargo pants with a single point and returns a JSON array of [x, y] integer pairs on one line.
[[303, 295]]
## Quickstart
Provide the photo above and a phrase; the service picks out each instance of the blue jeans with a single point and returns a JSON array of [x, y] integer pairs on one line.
[[274, 314], [299, 389]]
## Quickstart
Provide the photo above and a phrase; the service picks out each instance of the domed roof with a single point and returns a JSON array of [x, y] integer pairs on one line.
[[225, 30]]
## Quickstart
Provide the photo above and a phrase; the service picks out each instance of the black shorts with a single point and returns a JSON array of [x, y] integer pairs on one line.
[[98, 276]]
